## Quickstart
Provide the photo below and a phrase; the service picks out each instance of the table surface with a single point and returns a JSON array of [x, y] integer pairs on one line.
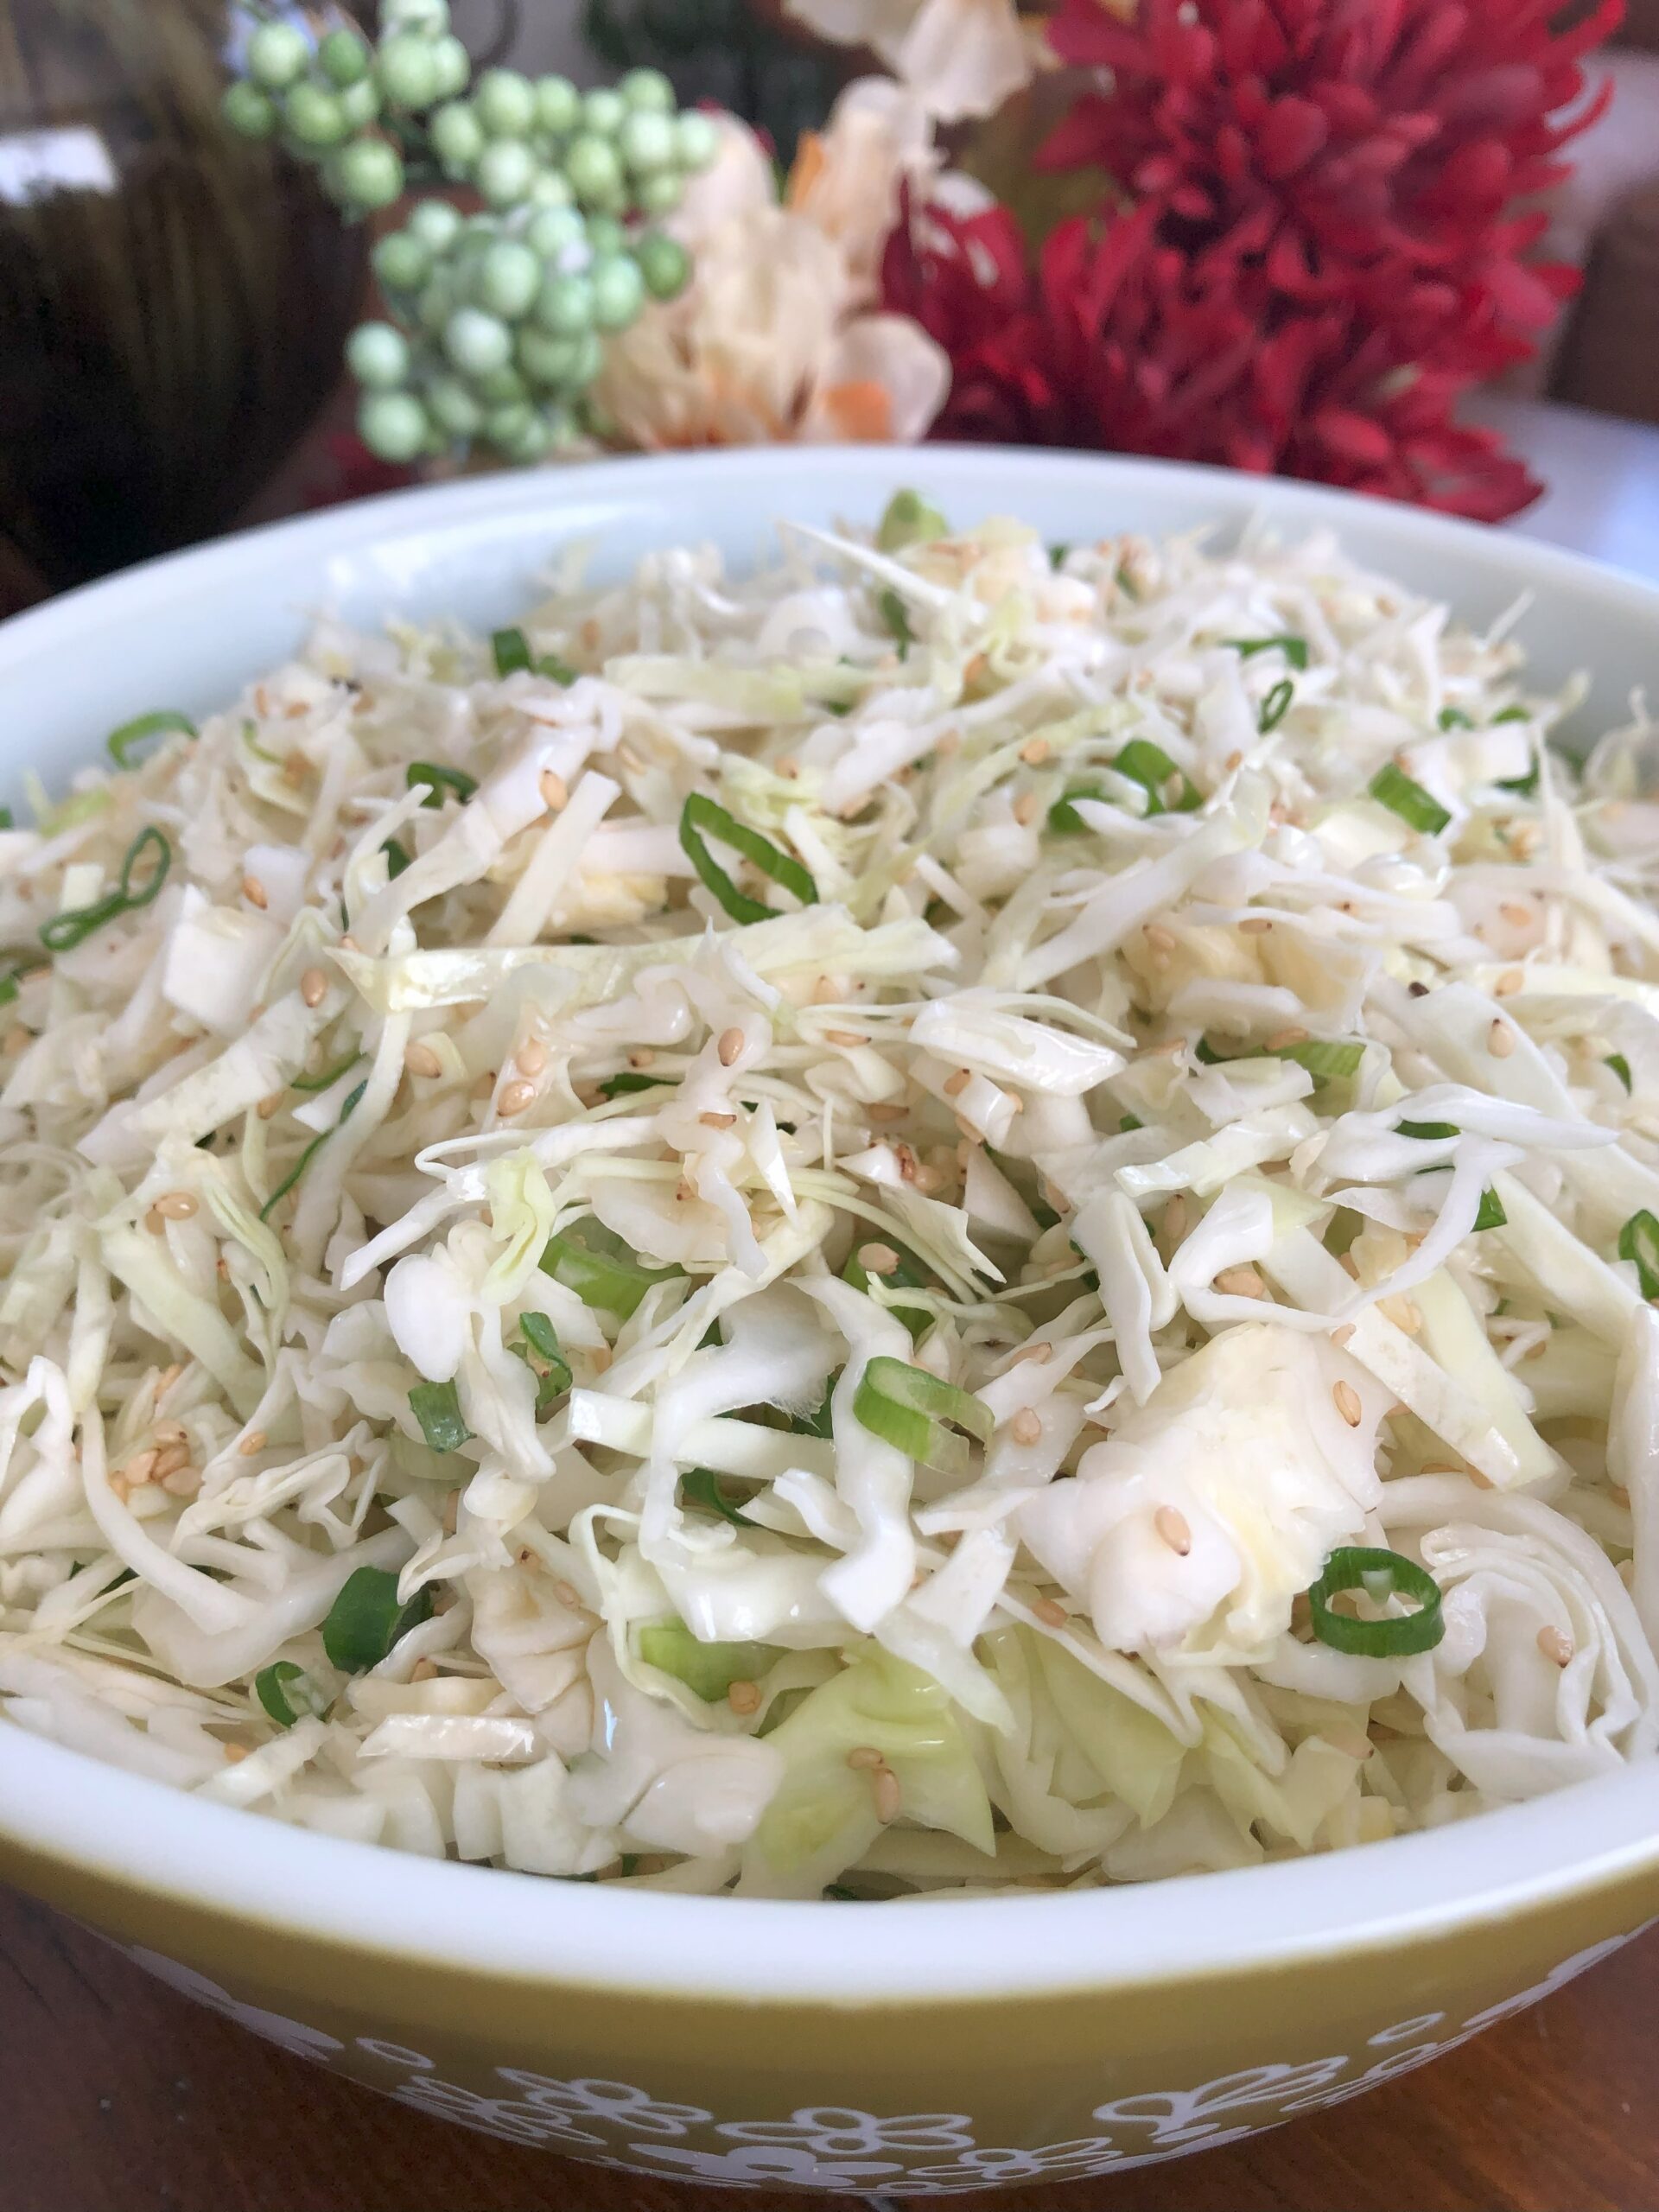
[[118, 2096]]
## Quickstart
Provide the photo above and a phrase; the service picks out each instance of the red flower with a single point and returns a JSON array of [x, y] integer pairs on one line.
[[1319, 261]]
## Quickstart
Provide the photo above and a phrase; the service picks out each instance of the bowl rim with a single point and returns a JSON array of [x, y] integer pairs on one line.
[[134, 1834]]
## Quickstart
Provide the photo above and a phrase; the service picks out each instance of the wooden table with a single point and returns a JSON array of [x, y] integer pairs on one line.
[[117, 2095]]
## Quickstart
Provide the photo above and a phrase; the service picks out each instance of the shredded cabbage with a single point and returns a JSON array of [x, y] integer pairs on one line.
[[455, 1232]]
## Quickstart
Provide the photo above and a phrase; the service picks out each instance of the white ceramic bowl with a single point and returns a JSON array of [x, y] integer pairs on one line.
[[923, 2046]]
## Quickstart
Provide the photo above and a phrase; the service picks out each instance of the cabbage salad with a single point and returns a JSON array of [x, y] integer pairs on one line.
[[964, 1215]]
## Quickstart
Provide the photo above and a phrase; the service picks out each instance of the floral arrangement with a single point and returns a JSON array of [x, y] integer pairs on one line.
[[1297, 233]]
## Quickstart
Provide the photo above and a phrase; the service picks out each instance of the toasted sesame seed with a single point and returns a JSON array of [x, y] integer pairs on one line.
[[1175, 1217], [1174, 1528], [743, 1697], [177, 1205], [1042, 1353], [1510, 982], [877, 1259], [1026, 1426], [235, 1753], [270, 1105], [1025, 809], [889, 1796], [183, 1482], [254, 893], [515, 1096], [1166, 1050], [423, 1670], [1480, 1481], [1352, 1743], [155, 1222], [170, 1432], [295, 768], [1158, 937], [1555, 1645], [1035, 751], [451, 1514], [314, 986], [119, 1486], [864, 1758], [253, 1443], [1500, 1040], [1537, 1350], [601, 1357], [789, 768], [716, 1121], [1241, 1282], [18, 1040], [139, 1469], [683, 1191], [1255, 924], [1016, 1104], [1339, 1337], [884, 1110], [421, 1059], [1516, 915], [730, 1047], [1349, 1265], [1235, 760], [555, 794], [1402, 1312], [629, 758], [1282, 1039], [955, 1085], [1050, 1612], [1346, 1400], [848, 1038], [567, 1594], [641, 1057], [532, 1058], [484, 1085], [167, 1378], [928, 1179]]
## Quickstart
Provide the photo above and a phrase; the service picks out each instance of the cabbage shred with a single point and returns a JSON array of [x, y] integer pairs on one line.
[[763, 1240]]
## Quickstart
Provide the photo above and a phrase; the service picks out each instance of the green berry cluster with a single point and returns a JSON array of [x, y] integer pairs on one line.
[[497, 318]]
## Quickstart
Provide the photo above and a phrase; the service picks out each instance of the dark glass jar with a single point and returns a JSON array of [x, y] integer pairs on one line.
[[173, 301]]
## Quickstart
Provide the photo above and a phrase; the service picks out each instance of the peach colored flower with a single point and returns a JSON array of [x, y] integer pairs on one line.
[[962, 57]]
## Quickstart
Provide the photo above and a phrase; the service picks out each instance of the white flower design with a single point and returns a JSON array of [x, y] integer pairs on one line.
[[1188, 2117], [773, 2166], [604, 2100], [507, 2118], [292, 2035], [833, 2132]]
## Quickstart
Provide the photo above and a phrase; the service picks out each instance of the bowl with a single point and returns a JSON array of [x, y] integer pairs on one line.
[[927, 2046]]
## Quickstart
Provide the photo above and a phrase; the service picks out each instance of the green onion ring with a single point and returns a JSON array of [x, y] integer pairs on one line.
[[1355, 1566]]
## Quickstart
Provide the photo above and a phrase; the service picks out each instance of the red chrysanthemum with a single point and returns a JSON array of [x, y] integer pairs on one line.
[[1320, 255]]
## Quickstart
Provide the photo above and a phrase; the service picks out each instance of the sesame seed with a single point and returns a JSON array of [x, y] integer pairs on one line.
[[139, 1469], [1282, 1039], [235, 1753], [296, 769], [864, 1758], [928, 1179], [1500, 1040], [484, 1086], [848, 1038], [641, 1057], [532, 1056], [1025, 809], [887, 1794], [155, 1222], [1555, 1645], [170, 1432], [716, 1121], [631, 759], [166, 1379], [567, 1594], [789, 768], [601, 1357], [254, 891], [886, 1110], [451, 1512], [183, 1482], [1042, 1353], [270, 1105], [877, 1259], [1167, 1050], [177, 1205], [1235, 760], [683, 1191], [1016, 1104], [1158, 937], [729, 1047], [556, 795], [1349, 1265], [744, 1697], [421, 1059], [1537, 1350], [253, 1443], [1510, 982], [955, 1085], [1346, 1400], [423, 1670], [1035, 751], [1255, 924], [1175, 1217], [1480, 1481], [1241, 1282], [1352, 1743], [18, 1040], [1402, 1312], [1174, 1528], [1051, 1614], [1339, 1337], [515, 1096], [314, 986], [119, 1486], [1516, 915], [1417, 990], [1026, 1426], [950, 742]]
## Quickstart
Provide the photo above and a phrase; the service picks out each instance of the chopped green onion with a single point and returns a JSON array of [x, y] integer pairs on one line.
[[1523, 786], [511, 651], [1638, 1241], [1620, 1066], [1418, 808], [397, 859], [701, 1487], [287, 1692], [605, 1275], [908, 1407], [894, 612], [1517, 713], [821, 1420], [1355, 1567], [1057, 553], [707, 1669], [1429, 1131], [624, 1085], [1065, 817], [1454, 718], [905, 1276], [7, 819], [1322, 1057], [1129, 1121], [1149, 765], [166, 721], [365, 1620], [1276, 705], [555, 669], [699, 815], [909, 520], [66, 930], [1126, 583], [348, 1108], [9, 987], [327, 1080], [541, 1338], [1491, 1214], [1293, 649], [440, 778], [437, 1406]]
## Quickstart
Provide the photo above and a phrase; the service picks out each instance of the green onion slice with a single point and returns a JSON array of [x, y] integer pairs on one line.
[[821, 1420], [1323, 1058], [1057, 553], [606, 1276], [1355, 1567], [166, 721], [441, 779], [348, 1107], [909, 520], [906, 1407], [896, 616], [437, 1406], [624, 1085], [1523, 786], [1276, 705], [1149, 765], [1454, 718], [1638, 1241], [701, 815], [1620, 1066], [511, 651], [542, 1339], [8, 820], [287, 1692], [1491, 1214], [707, 1669], [1293, 649], [905, 1276], [329, 1077], [555, 669], [1065, 817], [397, 859], [66, 930], [365, 1620], [1429, 1131], [701, 1487], [1418, 808], [1516, 713]]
